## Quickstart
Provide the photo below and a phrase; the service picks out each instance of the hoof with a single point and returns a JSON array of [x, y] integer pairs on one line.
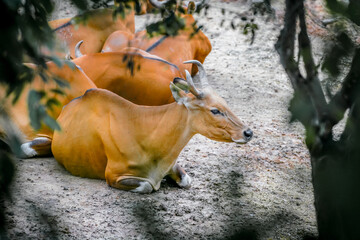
[[185, 182], [28, 150], [144, 188]]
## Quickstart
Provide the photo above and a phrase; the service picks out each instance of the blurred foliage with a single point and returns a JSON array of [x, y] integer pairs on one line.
[[337, 58], [101, 4], [348, 9], [263, 7], [123, 6], [38, 110], [171, 18], [170, 26], [171, 21], [250, 27], [24, 30], [245, 21]]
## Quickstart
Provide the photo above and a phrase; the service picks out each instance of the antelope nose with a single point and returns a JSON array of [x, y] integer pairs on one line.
[[248, 134]]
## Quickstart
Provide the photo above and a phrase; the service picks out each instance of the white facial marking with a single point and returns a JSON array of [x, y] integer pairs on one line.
[[28, 151], [144, 187], [185, 182]]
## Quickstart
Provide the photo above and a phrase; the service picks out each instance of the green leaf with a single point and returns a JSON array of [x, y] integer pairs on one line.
[[70, 64], [340, 50], [81, 4], [17, 92], [301, 108], [43, 76], [62, 83], [58, 91], [52, 102], [56, 60], [41, 93], [48, 6], [12, 4], [34, 109], [169, 26], [51, 123]]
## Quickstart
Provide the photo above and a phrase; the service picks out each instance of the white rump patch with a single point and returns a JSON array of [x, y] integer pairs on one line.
[[144, 187], [185, 181], [28, 151]]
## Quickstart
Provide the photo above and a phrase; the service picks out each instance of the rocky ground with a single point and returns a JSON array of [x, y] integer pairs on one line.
[[260, 189]]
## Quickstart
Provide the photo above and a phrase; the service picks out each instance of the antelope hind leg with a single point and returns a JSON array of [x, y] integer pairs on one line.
[[133, 185], [40, 146]]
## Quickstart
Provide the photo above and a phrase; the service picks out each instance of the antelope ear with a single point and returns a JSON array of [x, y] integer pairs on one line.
[[178, 94]]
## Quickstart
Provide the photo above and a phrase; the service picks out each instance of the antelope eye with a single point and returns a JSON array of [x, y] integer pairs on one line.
[[216, 111]]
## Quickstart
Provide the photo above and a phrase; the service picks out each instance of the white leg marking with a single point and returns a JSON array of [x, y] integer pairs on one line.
[[28, 151], [185, 181], [42, 138], [144, 187]]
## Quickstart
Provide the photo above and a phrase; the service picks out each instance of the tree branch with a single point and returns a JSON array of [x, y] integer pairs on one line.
[[285, 44], [310, 101], [313, 85], [345, 97]]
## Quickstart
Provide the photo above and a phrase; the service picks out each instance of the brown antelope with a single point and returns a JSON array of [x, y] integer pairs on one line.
[[38, 142], [134, 147], [145, 83], [174, 49], [96, 28]]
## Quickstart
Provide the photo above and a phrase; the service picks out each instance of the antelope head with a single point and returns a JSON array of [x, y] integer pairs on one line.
[[209, 113]]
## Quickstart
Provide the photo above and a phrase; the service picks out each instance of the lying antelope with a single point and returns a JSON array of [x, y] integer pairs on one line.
[[174, 49], [38, 143], [134, 147], [96, 28], [147, 83]]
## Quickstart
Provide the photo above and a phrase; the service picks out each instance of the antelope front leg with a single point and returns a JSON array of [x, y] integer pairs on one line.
[[127, 183], [132, 185], [179, 175]]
